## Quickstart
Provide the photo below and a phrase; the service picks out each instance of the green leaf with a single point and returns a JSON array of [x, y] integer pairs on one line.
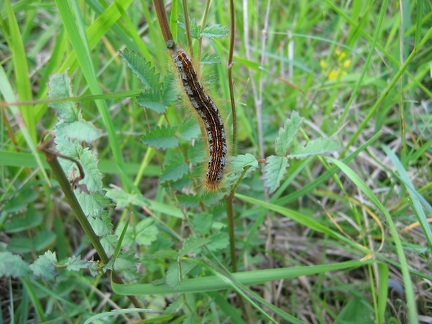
[[143, 70], [94, 269], [274, 171], [182, 183], [82, 131], [169, 91], [60, 87], [76, 264], [417, 200], [151, 100], [143, 233], [93, 204], [189, 130], [123, 199], [197, 153], [12, 265], [218, 241], [43, 240], [202, 222], [127, 264], [20, 245], [146, 231], [193, 26], [239, 162], [176, 169], [174, 307], [192, 243], [210, 59], [314, 147], [19, 224], [161, 138], [44, 266], [109, 243], [65, 145], [357, 310], [20, 199], [101, 225], [194, 29], [215, 30], [189, 201], [287, 134], [236, 166], [172, 278], [93, 177], [164, 254]]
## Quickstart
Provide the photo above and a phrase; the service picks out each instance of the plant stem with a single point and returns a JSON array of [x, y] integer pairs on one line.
[[65, 186]]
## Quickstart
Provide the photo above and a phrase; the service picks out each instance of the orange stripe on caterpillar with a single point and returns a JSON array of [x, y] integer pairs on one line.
[[212, 125]]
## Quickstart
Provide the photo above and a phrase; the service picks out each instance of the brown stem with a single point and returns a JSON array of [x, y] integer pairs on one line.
[[230, 80], [163, 21]]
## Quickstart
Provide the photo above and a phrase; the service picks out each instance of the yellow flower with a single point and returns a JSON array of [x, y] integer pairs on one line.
[[323, 64], [342, 65]]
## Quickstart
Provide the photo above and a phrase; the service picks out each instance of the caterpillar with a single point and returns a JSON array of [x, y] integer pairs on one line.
[[211, 122]]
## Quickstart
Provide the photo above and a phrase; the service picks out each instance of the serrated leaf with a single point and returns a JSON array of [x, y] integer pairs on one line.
[[169, 91], [189, 130], [44, 266], [191, 244], [176, 169], [127, 264], [64, 144], [182, 183], [210, 59], [94, 269], [93, 177], [287, 134], [142, 69], [172, 278], [76, 264], [202, 222], [93, 204], [239, 162], [174, 307], [314, 147], [161, 243], [215, 30], [20, 200], [124, 199], [125, 261], [197, 153], [81, 131], [193, 27], [274, 171], [236, 166], [145, 232], [161, 138], [101, 226], [109, 243], [151, 100], [60, 87], [189, 201], [164, 254], [218, 241], [12, 265]]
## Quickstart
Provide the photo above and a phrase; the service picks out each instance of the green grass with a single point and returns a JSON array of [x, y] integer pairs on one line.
[[340, 237]]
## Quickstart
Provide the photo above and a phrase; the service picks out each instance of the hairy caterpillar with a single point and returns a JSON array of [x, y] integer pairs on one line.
[[212, 126]]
